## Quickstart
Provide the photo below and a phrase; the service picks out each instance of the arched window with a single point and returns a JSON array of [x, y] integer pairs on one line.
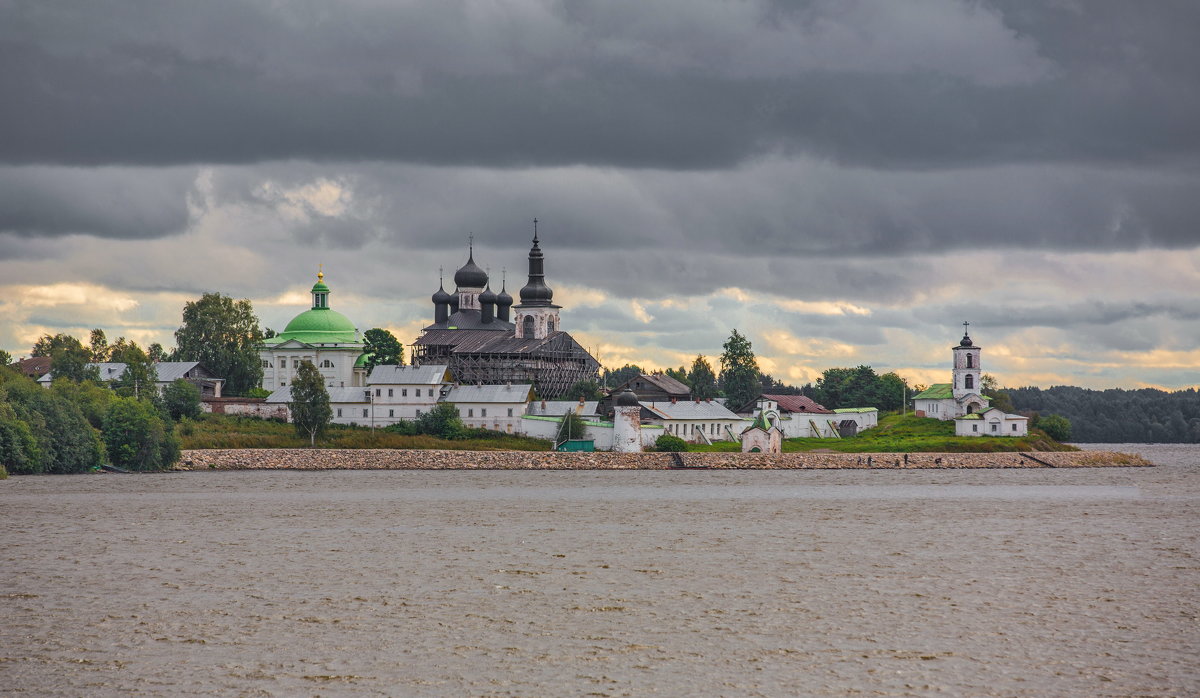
[[528, 326], [970, 382], [970, 361], [550, 325]]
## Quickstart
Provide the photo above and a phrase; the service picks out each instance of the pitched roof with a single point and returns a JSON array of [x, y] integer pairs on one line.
[[937, 391], [488, 341], [34, 367], [471, 319], [430, 374], [848, 410], [797, 403], [662, 381], [520, 392], [690, 409], [167, 371]]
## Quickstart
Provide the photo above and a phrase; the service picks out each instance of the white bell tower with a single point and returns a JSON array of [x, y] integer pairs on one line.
[[967, 371]]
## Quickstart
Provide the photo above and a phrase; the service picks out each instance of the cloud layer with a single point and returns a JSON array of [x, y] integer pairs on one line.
[[846, 181]]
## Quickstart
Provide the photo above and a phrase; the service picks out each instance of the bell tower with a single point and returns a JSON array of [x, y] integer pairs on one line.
[[537, 316], [967, 369]]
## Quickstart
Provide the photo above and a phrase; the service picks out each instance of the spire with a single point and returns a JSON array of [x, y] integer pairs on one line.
[[536, 292]]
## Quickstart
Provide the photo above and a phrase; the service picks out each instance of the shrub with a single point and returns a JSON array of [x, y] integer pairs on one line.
[[442, 421], [669, 443], [137, 438], [181, 399], [1056, 427]]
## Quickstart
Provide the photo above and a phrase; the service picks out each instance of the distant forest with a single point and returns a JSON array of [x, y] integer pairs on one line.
[[1117, 416]]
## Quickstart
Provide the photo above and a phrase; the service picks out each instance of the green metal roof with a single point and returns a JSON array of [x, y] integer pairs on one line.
[[937, 391], [319, 326], [973, 415], [850, 410]]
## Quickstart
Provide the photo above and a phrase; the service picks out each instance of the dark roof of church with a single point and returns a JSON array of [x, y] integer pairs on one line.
[[472, 341], [798, 403], [471, 320]]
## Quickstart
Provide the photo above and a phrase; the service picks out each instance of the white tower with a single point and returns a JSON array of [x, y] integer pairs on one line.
[[967, 371], [627, 423]]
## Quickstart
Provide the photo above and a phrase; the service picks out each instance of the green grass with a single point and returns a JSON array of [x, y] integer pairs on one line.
[[909, 434], [224, 431]]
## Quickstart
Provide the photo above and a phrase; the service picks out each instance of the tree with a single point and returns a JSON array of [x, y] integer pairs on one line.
[[680, 374], [310, 402], [739, 371], [65, 442], [137, 438], [586, 389], [572, 427], [621, 375], [702, 379], [382, 349], [140, 377], [442, 421], [5, 358], [99, 346], [222, 334], [1056, 427], [893, 392], [182, 399], [69, 359], [157, 353], [91, 398], [999, 398]]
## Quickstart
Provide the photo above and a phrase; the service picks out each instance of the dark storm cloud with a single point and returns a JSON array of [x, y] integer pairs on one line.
[[110, 202], [668, 85]]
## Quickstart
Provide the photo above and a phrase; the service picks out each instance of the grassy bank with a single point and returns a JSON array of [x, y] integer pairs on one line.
[[909, 434], [222, 431]]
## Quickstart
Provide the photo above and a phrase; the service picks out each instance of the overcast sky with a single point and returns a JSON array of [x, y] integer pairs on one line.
[[843, 181]]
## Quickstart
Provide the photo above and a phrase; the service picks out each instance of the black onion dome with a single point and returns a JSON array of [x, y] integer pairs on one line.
[[503, 298], [627, 398], [487, 296], [441, 296], [966, 341], [470, 275], [536, 292]]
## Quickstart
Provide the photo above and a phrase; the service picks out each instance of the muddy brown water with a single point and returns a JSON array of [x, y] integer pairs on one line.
[[1029, 582]]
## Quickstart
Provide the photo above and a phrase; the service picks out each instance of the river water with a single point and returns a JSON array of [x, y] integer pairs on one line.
[[970, 582]]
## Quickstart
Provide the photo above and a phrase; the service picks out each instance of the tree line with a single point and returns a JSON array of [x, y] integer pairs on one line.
[[1146, 415]]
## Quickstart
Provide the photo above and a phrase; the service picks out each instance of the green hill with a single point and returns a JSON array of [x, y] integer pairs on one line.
[[909, 434]]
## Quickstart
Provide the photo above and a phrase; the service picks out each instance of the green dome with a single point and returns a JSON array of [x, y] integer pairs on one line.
[[320, 326]]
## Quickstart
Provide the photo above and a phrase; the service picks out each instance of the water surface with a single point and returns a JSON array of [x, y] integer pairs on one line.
[[979, 582]]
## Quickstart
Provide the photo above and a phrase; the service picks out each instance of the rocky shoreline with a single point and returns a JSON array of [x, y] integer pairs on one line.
[[396, 459]]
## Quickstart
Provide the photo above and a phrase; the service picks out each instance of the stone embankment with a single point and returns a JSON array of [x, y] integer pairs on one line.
[[388, 459]]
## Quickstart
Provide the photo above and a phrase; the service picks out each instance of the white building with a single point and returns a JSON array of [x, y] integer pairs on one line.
[[496, 407], [698, 421], [406, 392], [962, 401], [963, 395], [991, 422], [319, 335]]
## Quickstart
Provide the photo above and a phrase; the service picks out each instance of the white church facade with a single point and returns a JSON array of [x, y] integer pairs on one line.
[[963, 400]]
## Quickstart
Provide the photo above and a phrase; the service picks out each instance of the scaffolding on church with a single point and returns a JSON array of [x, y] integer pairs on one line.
[[552, 365]]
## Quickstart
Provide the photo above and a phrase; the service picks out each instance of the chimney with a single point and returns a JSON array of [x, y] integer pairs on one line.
[[697, 401], [674, 400], [581, 401]]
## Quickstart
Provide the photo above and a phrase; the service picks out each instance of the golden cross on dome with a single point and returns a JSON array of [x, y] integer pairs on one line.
[[320, 272]]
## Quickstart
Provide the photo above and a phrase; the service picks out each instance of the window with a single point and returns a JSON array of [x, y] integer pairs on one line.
[[970, 381], [418, 413], [404, 392], [326, 364], [975, 427], [266, 364], [510, 414], [378, 392], [482, 411], [995, 428], [364, 413], [391, 413], [969, 360], [339, 412], [430, 392], [528, 326], [1014, 427], [470, 411], [389, 392], [550, 325], [283, 363]]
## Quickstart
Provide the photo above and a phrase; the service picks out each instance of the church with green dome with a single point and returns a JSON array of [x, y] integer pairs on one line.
[[321, 335]]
